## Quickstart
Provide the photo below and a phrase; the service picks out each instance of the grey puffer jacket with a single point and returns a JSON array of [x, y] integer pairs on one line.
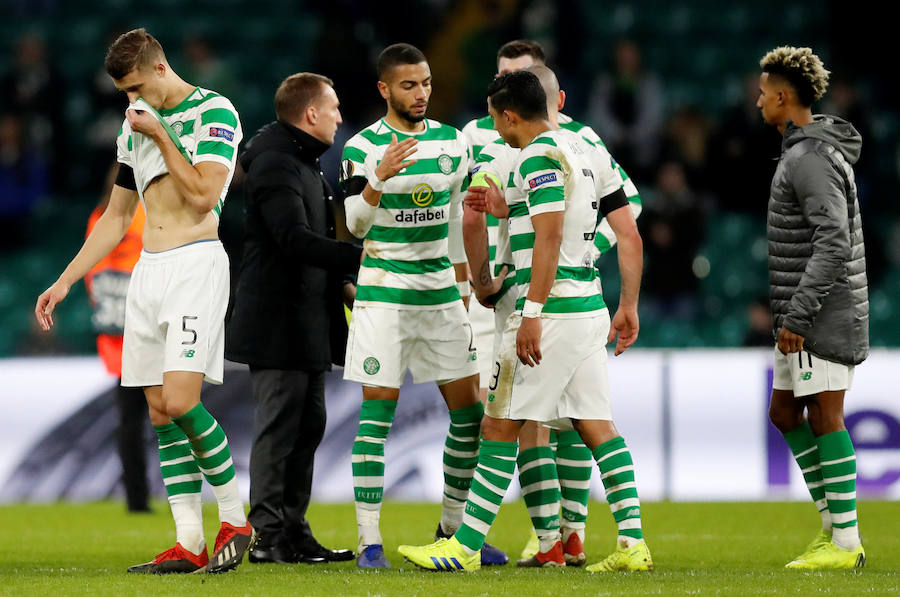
[[817, 263]]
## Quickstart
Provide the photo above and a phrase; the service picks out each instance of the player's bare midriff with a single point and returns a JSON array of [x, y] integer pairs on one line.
[[171, 221]]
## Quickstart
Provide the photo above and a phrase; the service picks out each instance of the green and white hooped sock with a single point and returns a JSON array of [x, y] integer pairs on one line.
[[496, 466], [803, 446], [183, 480], [574, 465], [460, 460], [838, 460], [540, 490], [375, 418], [210, 448], [617, 472]]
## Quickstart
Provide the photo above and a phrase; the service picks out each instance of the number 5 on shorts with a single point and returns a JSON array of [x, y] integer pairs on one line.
[[186, 329]]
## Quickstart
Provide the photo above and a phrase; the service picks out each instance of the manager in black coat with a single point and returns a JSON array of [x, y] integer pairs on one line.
[[288, 321]]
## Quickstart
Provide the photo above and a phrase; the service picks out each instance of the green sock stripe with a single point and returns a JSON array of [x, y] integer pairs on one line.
[[175, 451], [461, 483], [634, 533], [221, 478], [463, 445], [368, 469], [377, 410], [169, 433], [554, 436], [844, 525], [182, 468], [373, 430], [195, 421], [623, 476], [624, 494], [467, 414], [184, 488], [839, 506], [361, 446], [462, 463], [841, 486], [833, 446], [565, 439], [215, 460], [470, 537], [616, 443], [801, 439]]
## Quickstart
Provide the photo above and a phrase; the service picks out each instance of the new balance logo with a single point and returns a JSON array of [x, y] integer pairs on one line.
[[806, 375], [187, 353]]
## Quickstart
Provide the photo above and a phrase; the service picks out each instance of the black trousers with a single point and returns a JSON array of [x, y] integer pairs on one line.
[[287, 429], [130, 438]]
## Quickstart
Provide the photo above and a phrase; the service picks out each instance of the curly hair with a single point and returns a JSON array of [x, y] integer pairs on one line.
[[799, 67]]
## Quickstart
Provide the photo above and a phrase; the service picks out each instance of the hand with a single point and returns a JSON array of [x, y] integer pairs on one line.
[[349, 294], [392, 161], [487, 199], [483, 293], [528, 341], [624, 324], [789, 342], [43, 309], [143, 122]]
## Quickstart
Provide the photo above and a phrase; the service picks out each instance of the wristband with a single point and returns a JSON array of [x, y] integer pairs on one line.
[[464, 288], [376, 183], [532, 309]]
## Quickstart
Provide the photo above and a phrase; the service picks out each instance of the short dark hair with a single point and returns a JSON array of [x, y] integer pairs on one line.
[[522, 47], [396, 55], [802, 69], [521, 92], [297, 92], [132, 50]]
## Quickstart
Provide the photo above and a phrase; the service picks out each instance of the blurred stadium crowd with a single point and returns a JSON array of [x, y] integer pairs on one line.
[[670, 86]]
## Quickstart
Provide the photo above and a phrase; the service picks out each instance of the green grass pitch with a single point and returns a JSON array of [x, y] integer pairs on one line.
[[705, 549]]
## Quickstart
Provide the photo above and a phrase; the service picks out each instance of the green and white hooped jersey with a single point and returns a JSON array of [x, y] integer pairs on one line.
[[561, 171], [205, 127], [407, 265], [480, 133]]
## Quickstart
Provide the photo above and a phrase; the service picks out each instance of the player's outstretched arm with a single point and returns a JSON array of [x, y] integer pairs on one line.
[[625, 323], [106, 234]]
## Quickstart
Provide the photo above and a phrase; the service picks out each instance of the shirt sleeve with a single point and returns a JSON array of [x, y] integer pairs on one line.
[[123, 145], [544, 185], [218, 133]]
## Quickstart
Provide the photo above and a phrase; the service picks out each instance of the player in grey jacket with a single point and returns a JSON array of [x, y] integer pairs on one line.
[[819, 295]]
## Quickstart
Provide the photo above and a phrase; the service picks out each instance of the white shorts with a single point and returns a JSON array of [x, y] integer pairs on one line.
[[804, 374], [175, 314], [435, 345], [502, 310], [570, 382], [482, 320]]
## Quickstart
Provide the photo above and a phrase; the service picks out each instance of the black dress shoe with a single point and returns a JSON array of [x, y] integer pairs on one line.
[[316, 554], [272, 553]]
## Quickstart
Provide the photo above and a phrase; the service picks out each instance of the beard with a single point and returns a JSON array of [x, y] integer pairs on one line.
[[405, 114]]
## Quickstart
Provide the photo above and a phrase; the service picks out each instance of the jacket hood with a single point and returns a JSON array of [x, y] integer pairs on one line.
[[830, 129], [285, 138]]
